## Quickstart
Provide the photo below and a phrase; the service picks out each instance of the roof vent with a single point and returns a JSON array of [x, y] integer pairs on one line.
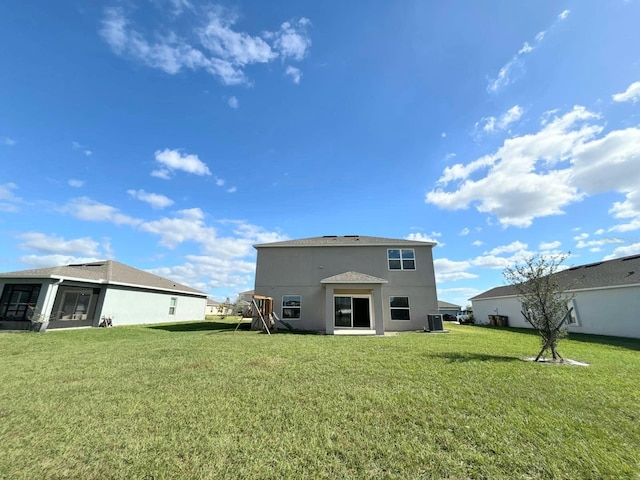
[[329, 236]]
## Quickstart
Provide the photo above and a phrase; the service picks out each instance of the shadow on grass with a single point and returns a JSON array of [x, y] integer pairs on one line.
[[457, 357], [201, 326], [622, 342]]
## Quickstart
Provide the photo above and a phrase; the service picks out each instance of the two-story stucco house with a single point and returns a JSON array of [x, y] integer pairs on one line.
[[349, 284]]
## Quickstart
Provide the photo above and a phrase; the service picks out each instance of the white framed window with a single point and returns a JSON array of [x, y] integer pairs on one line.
[[401, 258], [572, 318], [291, 305], [173, 303], [399, 308]]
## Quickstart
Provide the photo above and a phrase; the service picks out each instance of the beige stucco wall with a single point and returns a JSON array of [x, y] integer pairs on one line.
[[299, 271]]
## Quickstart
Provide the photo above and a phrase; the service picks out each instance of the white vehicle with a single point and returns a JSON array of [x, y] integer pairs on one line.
[[464, 316]]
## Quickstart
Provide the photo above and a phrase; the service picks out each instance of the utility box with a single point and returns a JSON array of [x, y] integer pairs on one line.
[[499, 320], [434, 322]]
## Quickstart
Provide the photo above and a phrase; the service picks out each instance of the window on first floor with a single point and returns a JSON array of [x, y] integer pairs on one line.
[[572, 317], [399, 308], [291, 305], [401, 259], [173, 303], [18, 302]]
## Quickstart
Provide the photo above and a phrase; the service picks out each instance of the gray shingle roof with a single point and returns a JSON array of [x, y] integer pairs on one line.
[[105, 272], [442, 304], [346, 240], [353, 277], [609, 273]]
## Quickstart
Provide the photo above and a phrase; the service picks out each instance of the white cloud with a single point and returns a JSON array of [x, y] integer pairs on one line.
[[537, 174], [52, 244], [208, 272], [549, 245], [625, 251], [75, 182], [52, 250], [172, 160], [454, 276], [423, 237], [443, 134], [632, 93], [477, 243], [510, 248], [220, 182], [220, 50], [627, 227], [464, 232], [294, 73], [238, 48], [8, 200], [232, 190], [45, 261], [9, 142], [85, 208], [581, 236], [156, 200], [85, 150], [598, 243], [187, 226], [233, 102], [292, 40], [514, 68]]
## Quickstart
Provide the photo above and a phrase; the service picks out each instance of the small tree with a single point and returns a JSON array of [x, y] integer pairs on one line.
[[224, 308], [545, 303]]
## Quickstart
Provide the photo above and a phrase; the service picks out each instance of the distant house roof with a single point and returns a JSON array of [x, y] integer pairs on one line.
[[105, 272], [345, 241], [353, 277], [448, 305], [610, 273]]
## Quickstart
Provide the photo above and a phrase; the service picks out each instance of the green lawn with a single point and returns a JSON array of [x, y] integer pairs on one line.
[[202, 401]]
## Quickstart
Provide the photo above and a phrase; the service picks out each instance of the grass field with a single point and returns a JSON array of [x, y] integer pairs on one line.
[[201, 401]]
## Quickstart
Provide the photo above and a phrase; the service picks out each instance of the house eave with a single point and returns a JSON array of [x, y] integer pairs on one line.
[[102, 281]]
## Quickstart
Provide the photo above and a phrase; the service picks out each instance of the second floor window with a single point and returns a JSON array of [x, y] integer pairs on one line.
[[401, 259]]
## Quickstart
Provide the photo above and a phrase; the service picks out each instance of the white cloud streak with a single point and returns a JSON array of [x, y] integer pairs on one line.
[[503, 122], [156, 200], [514, 68]]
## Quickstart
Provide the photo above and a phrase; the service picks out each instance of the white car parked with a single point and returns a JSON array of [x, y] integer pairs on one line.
[[464, 316]]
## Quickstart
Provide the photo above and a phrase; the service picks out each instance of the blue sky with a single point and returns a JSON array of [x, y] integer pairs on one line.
[[172, 135]]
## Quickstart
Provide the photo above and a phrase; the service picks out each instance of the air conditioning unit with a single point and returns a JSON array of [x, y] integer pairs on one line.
[[434, 322]]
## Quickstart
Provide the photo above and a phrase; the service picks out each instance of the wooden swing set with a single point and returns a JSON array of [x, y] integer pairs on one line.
[[262, 315]]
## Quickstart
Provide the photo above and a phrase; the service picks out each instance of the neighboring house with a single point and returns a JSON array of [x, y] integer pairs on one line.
[[606, 299], [445, 308], [350, 284], [218, 308], [81, 294], [245, 296], [213, 307]]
